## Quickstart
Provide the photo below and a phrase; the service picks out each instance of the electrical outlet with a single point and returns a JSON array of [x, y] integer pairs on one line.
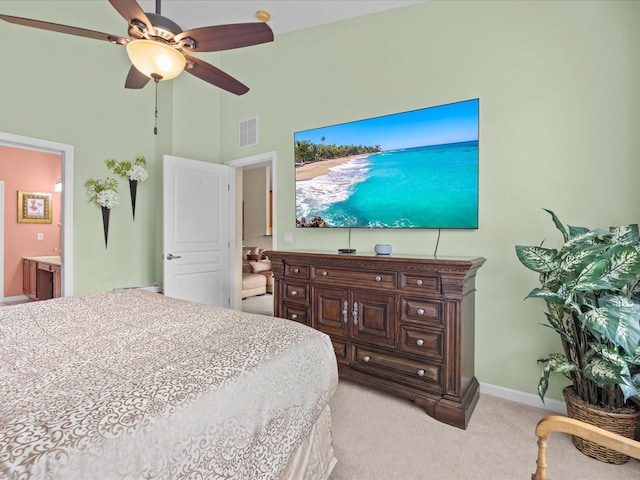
[[41, 236], [288, 237]]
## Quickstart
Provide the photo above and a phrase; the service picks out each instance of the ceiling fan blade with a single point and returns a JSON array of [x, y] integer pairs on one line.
[[207, 72], [226, 37], [130, 11], [56, 27], [135, 79]]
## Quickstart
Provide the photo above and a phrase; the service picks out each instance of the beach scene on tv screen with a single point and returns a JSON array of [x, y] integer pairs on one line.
[[415, 169]]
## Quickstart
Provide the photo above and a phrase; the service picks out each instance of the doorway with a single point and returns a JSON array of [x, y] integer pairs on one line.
[[66, 154], [268, 160]]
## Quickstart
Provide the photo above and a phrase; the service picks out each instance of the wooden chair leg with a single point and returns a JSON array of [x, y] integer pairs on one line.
[[541, 462]]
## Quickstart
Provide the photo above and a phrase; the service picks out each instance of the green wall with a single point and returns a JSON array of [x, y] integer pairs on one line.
[[70, 90], [559, 102]]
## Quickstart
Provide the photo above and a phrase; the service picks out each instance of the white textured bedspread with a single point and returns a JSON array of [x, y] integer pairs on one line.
[[133, 385]]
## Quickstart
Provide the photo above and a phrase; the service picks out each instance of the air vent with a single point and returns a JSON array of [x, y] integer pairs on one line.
[[248, 132]]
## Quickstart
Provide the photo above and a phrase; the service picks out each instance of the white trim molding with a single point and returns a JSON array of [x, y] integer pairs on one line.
[[522, 397]]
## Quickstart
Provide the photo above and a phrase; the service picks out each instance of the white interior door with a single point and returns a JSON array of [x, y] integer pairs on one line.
[[197, 259]]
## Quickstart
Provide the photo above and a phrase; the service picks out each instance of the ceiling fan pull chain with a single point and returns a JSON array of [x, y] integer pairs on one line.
[[155, 120], [156, 79]]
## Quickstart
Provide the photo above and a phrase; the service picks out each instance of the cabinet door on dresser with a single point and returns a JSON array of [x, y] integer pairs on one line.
[[374, 317], [331, 313], [358, 315]]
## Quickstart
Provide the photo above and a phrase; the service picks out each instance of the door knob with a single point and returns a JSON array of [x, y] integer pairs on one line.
[[171, 257]]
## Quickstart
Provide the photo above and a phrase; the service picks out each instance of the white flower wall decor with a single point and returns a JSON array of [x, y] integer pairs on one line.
[[134, 171], [103, 193]]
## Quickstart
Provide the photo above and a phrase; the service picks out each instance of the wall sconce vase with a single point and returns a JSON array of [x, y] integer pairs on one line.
[[133, 188], [106, 212]]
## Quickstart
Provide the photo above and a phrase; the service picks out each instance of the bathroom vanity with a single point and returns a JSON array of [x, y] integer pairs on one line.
[[42, 277]]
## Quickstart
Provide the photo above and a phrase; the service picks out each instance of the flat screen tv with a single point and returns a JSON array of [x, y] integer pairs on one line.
[[415, 169]]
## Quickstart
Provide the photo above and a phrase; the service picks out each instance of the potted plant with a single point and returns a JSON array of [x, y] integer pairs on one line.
[[591, 286]]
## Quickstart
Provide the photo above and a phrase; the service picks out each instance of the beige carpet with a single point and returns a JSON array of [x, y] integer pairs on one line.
[[379, 436], [262, 304]]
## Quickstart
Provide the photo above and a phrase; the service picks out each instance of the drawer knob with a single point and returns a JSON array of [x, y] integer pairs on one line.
[[294, 316], [378, 278], [421, 373], [324, 274], [420, 311], [296, 270], [420, 342], [294, 293], [419, 282], [367, 359]]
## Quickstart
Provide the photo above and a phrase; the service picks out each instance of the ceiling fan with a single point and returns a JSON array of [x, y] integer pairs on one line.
[[157, 46]]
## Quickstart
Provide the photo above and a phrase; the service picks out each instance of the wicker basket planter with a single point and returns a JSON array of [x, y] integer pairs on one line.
[[620, 423]]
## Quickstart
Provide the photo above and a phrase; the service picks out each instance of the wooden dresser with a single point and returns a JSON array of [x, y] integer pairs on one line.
[[404, 325]]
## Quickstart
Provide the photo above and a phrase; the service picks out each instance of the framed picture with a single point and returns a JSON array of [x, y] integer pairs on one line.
[[34, 207]]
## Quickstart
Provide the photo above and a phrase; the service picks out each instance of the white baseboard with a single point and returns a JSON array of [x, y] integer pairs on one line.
[[526, 398], [17, 298]]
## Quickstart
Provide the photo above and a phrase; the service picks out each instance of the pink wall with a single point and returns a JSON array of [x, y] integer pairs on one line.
[[30, 171]]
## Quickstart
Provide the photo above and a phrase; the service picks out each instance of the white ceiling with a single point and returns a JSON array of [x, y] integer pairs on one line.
[[286, 15]]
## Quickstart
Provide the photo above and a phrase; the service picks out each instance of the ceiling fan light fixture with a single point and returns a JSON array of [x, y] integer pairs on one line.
[[155, 58]]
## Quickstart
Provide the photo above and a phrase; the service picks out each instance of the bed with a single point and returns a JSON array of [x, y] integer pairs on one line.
[[132, 384]]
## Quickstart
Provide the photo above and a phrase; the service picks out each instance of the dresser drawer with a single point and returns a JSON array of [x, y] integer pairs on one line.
[[426, 342], [296, 271], [354, 278], [341, 349], [296, 292], [423, 311], [397, 366], [296, 313], [419, 283]]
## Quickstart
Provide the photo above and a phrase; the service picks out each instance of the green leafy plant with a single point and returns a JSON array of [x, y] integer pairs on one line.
[[135, 171], [591, 286]]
